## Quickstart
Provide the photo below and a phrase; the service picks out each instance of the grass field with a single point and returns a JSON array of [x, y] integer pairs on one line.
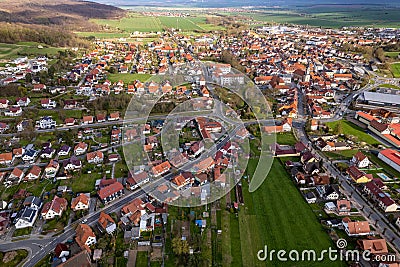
[[286, 139], [395, 67], [141, 259], [275, 215], [11, 51], [392, 54], [389, 86], [128, 77], [103, 35], [349, 128]]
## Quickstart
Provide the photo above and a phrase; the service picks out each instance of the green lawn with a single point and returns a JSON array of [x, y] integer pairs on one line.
[[345, 154], [141, 259], [392, 54], [103, 35], [351, 129], [286, 139], [395, 67], [11, 51], [389, 86], [84, 182], [128, 77], [275, 215]]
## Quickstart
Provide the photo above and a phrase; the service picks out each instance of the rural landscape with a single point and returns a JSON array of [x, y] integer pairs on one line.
[[199, 133]]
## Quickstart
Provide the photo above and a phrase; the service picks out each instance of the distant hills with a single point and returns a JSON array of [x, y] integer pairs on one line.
[[237, 3]]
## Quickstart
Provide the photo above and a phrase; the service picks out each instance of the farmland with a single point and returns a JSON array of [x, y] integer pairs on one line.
[[330, 16], [272, 204], [137, 22]]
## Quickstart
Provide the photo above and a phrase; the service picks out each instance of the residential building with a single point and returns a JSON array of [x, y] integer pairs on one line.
[[106, 223], [85, 237], [54, 208], [111, 192], [81, 202]]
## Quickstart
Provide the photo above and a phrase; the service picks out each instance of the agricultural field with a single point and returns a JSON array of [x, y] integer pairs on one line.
[[396, 70], [103, 35], [281, 228], [137, 22], [11, 51], [331, 16]]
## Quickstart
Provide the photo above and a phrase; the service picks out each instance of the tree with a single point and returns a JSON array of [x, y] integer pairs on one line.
[[179, 246], [338, 128]]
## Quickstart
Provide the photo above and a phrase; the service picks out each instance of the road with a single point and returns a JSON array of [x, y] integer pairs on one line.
[[47, 244]]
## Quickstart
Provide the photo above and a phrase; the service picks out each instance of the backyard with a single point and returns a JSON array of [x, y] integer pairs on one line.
[[353, 130]]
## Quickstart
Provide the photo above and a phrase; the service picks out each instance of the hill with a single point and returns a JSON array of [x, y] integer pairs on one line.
[[51, 22], [70, 14]]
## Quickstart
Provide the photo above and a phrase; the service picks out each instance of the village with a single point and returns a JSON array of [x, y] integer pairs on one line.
[[67, 177]]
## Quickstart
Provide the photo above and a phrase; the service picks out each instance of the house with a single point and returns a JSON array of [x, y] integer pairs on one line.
[[358, 176], [133, 211], [95, 157], [48, 103], [328, 192], [106, 223], [18, 152], [16, 175], [161, 168], [111, 192], [26, 218], [13, 111], [6, 158], [180, 181], [51, 169], [136, 180], [4, 103], [87, 119], [61, 251], [343, 206], [85, 237], [384, 201], [46, 122], [80, 259], [4, 127], [100, 118], [72, 164], [47, 153], [373, 245], [23, 101], [64, 151], [81, 202], [80, 148], [34, 173], [390, 157], [69, 121], [38, 87], [360, 160], [54, 208], [114, 116], [33, 202], [310, 197], [30, 154], [358, 228]]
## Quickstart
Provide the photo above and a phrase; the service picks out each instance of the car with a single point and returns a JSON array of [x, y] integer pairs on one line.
[[84, 221]]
